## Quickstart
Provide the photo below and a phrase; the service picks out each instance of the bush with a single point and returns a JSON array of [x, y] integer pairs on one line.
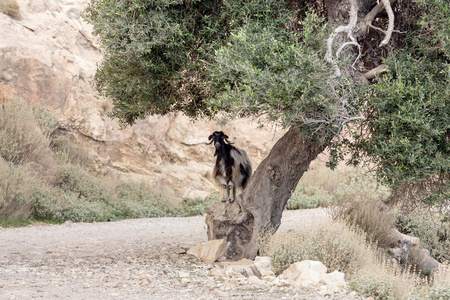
[[196, 207], [335, 245], [10, 8], [68, 152], [380, 285], [305, 197], [432, 229], [73, 179], [138, 200], [21, 139], [358, 202], [16, 190]]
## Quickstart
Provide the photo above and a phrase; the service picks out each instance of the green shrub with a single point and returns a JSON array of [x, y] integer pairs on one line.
[[68, 152], [10, 8], [68, 206], [138, 200], [439, 293], [16, 189], [335, 245], [379, 286], [21, 139], [196, 207], [432, 230], [70, 178], [308, 197]]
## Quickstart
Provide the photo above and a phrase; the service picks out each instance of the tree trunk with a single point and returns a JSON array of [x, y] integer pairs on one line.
[[259, 208]]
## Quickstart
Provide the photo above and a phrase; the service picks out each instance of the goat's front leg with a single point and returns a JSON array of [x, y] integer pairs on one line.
[[231, 187], [225, 193], [234, 193]]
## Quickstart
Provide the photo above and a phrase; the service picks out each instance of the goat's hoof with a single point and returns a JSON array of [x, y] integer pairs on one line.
[[231, 201], [224, 201]]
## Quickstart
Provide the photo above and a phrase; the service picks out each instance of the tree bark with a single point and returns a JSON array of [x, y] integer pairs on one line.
[[259, 208]]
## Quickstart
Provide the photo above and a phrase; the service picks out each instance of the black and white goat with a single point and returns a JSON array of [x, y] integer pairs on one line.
[[233, 168]]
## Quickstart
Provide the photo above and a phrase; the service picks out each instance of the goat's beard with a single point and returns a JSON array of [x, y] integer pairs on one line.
[[217, 145]]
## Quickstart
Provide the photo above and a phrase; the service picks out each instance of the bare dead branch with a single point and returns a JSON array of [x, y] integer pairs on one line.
[[343, 29], [381, 69], [386, 4], [388, 8]]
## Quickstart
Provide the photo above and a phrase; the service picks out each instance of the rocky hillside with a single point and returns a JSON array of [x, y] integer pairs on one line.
[[49, 57]]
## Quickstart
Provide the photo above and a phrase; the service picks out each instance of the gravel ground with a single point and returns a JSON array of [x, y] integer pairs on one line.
[[130, 259]]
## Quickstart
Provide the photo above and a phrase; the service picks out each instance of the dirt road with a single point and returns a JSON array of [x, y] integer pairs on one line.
[[130, 259]]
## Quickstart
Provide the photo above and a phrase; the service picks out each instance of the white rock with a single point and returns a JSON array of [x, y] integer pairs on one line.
[[334, 281], [182, 274], [262, 266]]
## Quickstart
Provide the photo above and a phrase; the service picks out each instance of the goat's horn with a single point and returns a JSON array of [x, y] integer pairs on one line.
[[228, 141], [209, 142]]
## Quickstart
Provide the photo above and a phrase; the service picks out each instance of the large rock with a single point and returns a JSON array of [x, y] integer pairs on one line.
[[312, 274], [50, 57], [209, 251]]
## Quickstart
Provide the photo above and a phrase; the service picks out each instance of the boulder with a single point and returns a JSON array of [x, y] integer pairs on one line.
[[262, 266], [209, 251], [312, 274]]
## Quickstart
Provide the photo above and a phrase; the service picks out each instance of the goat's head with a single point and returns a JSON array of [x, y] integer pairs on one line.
[[219, 138]]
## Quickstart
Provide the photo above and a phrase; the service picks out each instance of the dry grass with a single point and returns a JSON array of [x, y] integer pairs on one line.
[[366, 267], [336, 245], [21, 138], [10, 8]]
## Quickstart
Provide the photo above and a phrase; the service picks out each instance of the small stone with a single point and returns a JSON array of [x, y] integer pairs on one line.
[[182, 274], [180, 251]]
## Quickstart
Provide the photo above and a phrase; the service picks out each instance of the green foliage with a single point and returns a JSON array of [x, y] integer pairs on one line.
[[379, 287], [152, 49], [16, 192], [409, 125], [434, 40], [265, 68], [77, 181], [305, 197], [21, 138], [138, 200], [196, 207], [202, 57], [432, 230]]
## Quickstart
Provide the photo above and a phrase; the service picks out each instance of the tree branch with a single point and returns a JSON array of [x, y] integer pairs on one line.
[[349, 30], [388, 8], [374, 12], [381, 69]]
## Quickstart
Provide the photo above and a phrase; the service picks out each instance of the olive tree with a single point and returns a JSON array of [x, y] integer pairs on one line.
[[365, 78]]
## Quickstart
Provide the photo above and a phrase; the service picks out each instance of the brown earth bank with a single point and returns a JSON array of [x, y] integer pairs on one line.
[[129, 259]]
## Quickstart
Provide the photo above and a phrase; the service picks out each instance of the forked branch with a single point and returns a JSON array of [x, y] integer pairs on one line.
[[329, 57]]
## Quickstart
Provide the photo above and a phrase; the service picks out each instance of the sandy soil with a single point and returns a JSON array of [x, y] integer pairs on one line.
[[129, 259]]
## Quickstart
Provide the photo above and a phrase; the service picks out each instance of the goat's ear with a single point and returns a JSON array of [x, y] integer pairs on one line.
[[225, 136], [210, 137]]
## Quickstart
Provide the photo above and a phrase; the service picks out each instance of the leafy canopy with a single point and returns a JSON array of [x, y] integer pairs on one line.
[[406, 132], [206, 57], [247, 58]]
